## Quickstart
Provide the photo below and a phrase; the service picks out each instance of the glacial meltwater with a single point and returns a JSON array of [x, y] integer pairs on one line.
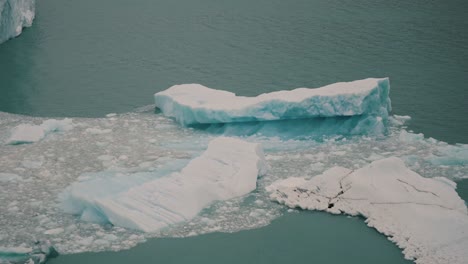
[[91, 170]]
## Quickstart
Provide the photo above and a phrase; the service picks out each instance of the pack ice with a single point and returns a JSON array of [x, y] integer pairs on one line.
[[423, 216], [192, 104], [14, 15], [227, 169]]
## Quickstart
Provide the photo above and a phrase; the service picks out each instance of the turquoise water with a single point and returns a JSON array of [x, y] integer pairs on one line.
[[293, 238], [89, 58]]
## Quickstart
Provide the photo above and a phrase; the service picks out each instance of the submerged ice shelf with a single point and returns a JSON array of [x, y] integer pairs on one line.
[[365, 102], [425, 217], [14, 15], [227, 169]]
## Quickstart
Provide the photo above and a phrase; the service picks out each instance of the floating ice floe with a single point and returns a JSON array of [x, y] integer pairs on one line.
[[14, 15], [192, 104], [27, 133], [425, 217], [227, 169]]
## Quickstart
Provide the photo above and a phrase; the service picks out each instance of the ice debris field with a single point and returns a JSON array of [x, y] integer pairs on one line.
[[92, 184]]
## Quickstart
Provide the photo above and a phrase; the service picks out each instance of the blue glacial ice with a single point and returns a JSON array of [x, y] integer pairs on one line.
[[227, 169], [14, 15], [358, 107]]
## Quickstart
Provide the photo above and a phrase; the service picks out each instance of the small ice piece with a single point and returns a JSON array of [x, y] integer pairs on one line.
[[425, 217], [15, 250], [54, 231], [97, 131], [27, 133], [192, 104], [9, 177], [451, 155], [227, 169]]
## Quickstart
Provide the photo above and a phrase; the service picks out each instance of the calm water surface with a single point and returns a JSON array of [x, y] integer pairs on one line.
[[307, 237], [89, 58]]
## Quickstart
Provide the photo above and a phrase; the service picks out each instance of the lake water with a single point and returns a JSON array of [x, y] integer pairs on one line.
[[90, 58]]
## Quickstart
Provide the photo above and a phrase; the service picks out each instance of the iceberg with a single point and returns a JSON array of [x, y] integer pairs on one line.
[[227, 169], [423, 216], [191, 104], [14, 16], [27, 133]]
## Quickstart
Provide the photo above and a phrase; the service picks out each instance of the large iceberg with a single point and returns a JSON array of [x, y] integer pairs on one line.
[[14, 15], [227, 169], [192, 104], [425, 217]]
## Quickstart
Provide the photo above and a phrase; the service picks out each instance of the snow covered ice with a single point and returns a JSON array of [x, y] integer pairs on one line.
[[227, 169], [365, 102], [425, 217], [14, 15]]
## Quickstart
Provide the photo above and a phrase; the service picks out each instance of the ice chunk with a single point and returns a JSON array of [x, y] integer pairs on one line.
[[227, 169], [451, 155], [26, 133], [14, 15], [192, 104], [425, 217]]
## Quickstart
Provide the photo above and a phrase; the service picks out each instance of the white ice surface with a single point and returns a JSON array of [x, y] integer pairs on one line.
[[196, 104], [227, 169], [425, 217]]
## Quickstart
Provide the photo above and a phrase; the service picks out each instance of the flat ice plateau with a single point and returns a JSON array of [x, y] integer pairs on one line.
[[425, 217], [14, 16], [227, 169], [192, 104]]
